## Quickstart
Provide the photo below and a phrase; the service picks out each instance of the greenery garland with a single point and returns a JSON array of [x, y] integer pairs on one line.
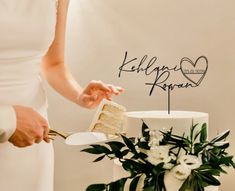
[[193, 159]]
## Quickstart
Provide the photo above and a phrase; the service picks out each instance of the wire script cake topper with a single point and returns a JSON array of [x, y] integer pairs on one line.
[[193, 71]]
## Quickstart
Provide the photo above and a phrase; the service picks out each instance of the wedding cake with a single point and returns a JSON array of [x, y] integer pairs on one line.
[[112, 119], [179, 121]]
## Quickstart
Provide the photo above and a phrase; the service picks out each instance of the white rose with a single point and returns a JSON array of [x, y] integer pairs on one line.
[[153, 132], [190, 161], [158, 154], [155, 138], [168, 166], [181, 172], [153, 142]]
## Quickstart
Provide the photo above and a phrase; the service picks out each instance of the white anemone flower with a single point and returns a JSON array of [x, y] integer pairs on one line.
[[181, 172], [190, 161]]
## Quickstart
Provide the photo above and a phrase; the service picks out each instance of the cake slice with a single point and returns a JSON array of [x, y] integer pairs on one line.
[[109, 118]]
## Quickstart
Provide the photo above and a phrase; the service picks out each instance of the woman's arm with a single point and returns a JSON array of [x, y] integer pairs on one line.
[[60, 78]]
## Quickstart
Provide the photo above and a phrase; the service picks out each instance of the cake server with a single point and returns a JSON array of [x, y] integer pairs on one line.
[[80, 138]]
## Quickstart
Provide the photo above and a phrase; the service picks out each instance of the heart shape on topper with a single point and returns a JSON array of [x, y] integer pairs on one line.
[[194, 72]]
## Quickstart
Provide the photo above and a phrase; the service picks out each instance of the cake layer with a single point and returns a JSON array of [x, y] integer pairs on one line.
[[106, 129], [180, 121], [111, 119]]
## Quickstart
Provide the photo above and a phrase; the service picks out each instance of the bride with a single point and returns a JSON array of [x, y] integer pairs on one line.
[[32, 38]]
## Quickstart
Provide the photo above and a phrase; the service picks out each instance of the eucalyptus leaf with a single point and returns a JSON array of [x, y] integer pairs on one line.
[[116, 148], [145, 131], [142, 155], [203, 133], [221, 136], [117, 185], [149, 188], [198, 147], [221, 144], [157, 169], [225, 160], [149, 184], [192, 131], [96, 187], [91, 151], [133, 166], [115, 145], [210, 179], [143, 145], [99, 158], [101, 149], [185, 185], [134, 183], [210, 170], [125, 152], [129, 144]]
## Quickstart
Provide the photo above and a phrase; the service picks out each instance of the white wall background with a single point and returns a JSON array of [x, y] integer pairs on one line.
[[100, 31]]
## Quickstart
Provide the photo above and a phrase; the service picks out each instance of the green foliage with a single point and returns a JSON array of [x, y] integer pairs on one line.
[[203, 133], [117, 185], [96, 187], [131, 153], [134, 183]]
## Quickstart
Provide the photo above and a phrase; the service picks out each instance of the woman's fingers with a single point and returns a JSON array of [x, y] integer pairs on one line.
[[48, 139], [120, 89], [115, 89], [95, 92], [37, 141], [107, 88], [98, 85]]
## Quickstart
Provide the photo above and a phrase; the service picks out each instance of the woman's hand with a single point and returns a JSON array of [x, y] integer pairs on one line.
[[31, 127], [95, 92]]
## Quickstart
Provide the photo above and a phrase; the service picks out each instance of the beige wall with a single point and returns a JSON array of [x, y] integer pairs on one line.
[[100, 31]]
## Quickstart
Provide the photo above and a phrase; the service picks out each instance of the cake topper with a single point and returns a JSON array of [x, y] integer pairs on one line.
[[193, 72]]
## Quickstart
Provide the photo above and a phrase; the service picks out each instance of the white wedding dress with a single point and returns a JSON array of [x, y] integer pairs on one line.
[[27, 30]]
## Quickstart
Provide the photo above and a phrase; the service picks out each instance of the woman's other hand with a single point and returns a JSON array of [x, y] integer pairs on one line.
[[31, 127], [95, 92]]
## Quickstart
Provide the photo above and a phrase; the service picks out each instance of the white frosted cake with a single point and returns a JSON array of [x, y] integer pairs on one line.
[[181, 121], [112, 119]]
